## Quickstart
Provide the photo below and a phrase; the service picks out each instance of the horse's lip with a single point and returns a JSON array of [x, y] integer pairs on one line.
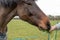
[[44, 30], [40, 28]]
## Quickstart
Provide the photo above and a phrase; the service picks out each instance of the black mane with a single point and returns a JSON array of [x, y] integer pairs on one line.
[[9, 3]]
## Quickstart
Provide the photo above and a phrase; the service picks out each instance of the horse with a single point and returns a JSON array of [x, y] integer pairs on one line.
[[27, 10]]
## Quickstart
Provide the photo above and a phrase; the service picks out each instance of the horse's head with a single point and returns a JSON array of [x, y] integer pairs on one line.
[[33, 14]]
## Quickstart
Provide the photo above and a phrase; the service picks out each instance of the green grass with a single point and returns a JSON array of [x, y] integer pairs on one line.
[[20, 30]]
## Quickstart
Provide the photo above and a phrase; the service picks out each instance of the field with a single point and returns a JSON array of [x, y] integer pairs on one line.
[[20, 30]]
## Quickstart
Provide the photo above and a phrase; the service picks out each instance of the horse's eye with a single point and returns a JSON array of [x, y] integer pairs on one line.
[[29, 4], [30, 14]]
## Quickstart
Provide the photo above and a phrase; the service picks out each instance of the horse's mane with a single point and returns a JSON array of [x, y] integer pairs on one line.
[[9, 3]]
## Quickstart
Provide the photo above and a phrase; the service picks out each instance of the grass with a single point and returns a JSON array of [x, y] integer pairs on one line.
[[20, 30]]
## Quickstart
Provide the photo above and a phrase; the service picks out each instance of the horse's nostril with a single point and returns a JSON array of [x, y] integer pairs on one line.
[[48, 26]]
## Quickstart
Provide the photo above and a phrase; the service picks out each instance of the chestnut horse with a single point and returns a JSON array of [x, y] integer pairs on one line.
[[27, 10]]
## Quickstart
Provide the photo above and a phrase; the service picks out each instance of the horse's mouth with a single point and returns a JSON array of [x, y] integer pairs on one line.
[[44, 30], [41, 29]]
